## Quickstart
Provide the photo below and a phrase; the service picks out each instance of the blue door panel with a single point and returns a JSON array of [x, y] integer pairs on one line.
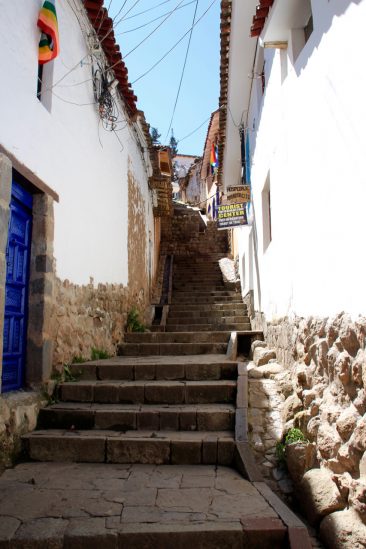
[[16, 288]]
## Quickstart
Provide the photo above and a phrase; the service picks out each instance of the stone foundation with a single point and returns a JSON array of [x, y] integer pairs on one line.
[[18, 415], [87, 317], [320, 390]]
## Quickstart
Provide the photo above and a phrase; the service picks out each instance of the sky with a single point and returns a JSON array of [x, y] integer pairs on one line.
[[157, 91]]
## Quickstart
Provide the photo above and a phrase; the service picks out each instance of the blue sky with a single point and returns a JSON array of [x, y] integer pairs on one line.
[[157, 91]]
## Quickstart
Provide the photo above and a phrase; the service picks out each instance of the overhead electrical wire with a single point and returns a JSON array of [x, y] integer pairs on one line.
[[119, 11], [153, 20], [149, 9], [183, 69], [127, 12], [174, 46], [146, 72], [154, 30], [196, 129]]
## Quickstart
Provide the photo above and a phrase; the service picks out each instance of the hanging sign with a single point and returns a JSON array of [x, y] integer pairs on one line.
[[231, 215], [239, 193]]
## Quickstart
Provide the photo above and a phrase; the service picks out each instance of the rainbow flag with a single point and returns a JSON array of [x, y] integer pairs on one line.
[[49, 46], [214, 157]]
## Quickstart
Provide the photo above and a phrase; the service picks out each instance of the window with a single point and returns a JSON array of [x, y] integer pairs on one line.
[[308, 29], [301, 33], [266, 214], [44, 84]]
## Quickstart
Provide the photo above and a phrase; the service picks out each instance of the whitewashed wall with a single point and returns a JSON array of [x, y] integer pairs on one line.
[[308, 141], [66, 146]]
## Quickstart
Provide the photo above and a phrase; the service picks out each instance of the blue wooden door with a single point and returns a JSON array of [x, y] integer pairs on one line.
[[16, 288]]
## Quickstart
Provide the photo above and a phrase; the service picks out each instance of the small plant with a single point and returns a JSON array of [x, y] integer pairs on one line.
[[78, 360], [293, 436], [99, 354], [68, 375], [133, 323]]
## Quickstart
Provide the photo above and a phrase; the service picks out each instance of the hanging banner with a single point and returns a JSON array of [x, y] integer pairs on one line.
[[231, 215], [239, 193]]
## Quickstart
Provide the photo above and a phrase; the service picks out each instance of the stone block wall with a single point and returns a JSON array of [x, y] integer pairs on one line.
[[18, 415], [321, 390], [188, 235], [87, 317]]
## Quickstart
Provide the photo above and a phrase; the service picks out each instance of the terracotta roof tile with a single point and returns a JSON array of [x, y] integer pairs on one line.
[[103, 26], [259, 19]]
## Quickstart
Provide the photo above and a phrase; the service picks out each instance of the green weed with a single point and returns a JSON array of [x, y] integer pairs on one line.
[[133, 322]]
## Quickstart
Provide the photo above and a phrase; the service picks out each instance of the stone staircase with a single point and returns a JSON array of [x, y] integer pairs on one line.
[[171, 398]]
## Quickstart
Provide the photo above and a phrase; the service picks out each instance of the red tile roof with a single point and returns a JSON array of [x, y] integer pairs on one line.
[[260, 17], [103, 26]]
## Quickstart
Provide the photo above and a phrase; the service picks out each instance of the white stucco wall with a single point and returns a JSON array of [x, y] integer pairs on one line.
[[66, 147], [193, 191], [308, 144]]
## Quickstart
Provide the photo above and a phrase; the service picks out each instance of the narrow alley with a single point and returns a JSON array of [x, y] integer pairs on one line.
[[164, 413], [182, 304]]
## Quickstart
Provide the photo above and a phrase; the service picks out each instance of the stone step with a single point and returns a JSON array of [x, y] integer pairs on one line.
[[207, 327], [127, 417], [149, 392], [149, 447], [171, 349], [212, 308], [192, 294], [223, 317], [186, 287], [211, 272], [199, 281], [198, 337], [176, 299], [157, 368]]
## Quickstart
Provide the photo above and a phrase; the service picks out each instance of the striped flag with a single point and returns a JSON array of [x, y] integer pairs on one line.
[[49, 43], [214, 160]]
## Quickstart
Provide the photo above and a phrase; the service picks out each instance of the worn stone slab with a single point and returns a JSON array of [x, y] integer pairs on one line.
[[77, 391], [43, 446], [38, 533], [88, 533], [82, 505], [165, 536], [225, 451], [143, 450], [270, 531], [299, 538], [245, 462], [187, 451], [287, 516], [168, 392], [208, 392]]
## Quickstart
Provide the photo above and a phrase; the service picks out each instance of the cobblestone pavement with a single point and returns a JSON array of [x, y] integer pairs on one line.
[[59, 505]]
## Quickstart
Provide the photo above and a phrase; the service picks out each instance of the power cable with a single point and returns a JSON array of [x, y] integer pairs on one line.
[[153, 20], [119, 11], [198, 128], [174, 46], [149, 9], [128, 11], [183, 69], [154, 30]]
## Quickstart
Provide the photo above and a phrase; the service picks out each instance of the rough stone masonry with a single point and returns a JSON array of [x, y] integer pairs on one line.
[[311, 375]]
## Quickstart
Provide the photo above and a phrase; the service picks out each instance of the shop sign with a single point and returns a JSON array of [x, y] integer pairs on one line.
[[231, 215], [239, 193]]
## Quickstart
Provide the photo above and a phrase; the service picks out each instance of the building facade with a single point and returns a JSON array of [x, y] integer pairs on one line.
[[78, 235], [292, 123], [298, 101]]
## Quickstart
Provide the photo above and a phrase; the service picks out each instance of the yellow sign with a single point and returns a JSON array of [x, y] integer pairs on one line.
[[231, 215], [239, 193]]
